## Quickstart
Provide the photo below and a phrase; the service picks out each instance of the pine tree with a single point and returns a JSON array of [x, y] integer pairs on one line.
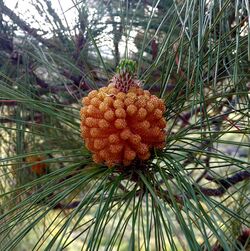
[[190, 194]]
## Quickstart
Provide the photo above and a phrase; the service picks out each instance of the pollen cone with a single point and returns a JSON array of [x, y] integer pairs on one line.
[[122, 121], [37, 168]]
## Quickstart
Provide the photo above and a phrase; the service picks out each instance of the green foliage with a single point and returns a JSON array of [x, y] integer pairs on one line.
[[126, 65], [192, 195]]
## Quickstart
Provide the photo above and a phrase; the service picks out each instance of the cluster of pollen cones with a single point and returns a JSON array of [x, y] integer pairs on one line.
[[122, 122]]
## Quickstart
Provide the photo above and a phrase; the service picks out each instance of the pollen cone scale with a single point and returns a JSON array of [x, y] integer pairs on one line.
[[122, 122]]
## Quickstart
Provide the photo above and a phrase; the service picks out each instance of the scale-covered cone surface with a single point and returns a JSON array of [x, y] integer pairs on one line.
[[122, 122]]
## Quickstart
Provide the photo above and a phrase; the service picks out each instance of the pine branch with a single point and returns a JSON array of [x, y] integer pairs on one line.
[[23, 25], [225, 184], [71, 205]]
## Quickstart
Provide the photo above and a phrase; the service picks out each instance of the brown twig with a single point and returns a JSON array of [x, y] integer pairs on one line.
[[71, 205], [36, 118], [243, 240], [225, 184]]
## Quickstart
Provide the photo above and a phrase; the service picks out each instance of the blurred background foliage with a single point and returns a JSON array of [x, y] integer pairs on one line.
[[193, 195]]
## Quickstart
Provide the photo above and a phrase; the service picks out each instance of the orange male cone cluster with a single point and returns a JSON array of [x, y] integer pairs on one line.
[[37, 168], [122, 121]]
